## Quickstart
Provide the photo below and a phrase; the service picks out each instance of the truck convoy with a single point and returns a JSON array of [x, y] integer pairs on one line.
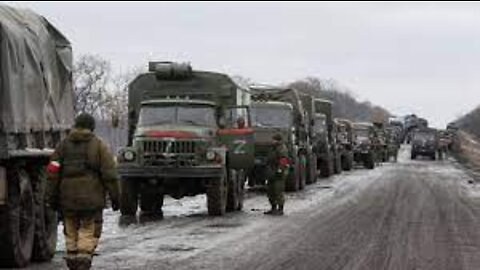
[[183, 139], [36, 111], [277, 110]]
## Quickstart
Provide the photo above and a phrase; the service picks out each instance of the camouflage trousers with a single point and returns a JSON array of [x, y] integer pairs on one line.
[[276, 188], [82, 232]]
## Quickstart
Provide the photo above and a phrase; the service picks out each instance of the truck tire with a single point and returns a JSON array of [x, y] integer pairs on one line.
[[337, 169], [128, 197], [242, 176], [312, 169], [433, 156], [295, 176], [413, 155], [347, 162], [17, 227], [232, 194], [370, 161], [46, 221], [303, 172], [151, 200], [326, 167], [217, 196]]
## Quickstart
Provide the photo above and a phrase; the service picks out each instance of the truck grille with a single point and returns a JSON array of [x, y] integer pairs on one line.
[[169, 147], [170, 153]]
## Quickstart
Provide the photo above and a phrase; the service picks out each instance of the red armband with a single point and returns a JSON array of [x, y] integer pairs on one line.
[[53, 167], [283, 161]]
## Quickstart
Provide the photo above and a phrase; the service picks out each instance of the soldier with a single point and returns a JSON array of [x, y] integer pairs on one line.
[[81, 171], [278, 165], [241, 122]]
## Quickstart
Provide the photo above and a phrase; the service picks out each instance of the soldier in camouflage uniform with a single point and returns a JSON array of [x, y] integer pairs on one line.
[[81, 172], [278, 166]]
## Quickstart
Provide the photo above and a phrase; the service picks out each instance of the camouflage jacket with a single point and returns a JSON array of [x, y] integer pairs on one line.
[[87, 173], [275, 155]]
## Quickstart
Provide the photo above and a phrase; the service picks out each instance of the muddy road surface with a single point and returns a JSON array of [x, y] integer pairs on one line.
[[408, 215]]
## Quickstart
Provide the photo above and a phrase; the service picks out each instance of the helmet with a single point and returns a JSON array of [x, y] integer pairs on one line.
[[277, 137], [85, 121]]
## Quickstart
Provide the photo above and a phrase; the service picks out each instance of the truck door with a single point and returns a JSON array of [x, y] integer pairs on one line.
[[237, 135]]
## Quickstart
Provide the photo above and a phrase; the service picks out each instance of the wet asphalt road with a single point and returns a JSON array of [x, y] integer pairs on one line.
[[408, 215]]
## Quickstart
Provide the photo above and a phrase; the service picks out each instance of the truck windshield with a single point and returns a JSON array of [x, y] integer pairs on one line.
[[320, 126], [424, 137], [361, 133], [271, 117], [191, 115]]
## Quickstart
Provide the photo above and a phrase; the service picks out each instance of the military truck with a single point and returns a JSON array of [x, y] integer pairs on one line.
[[280, 110], [345, 142], [393, 134], [329, 160], [424, 143], [316, 125], [364, 145], [381, 144], [36, 111], [183, 139]]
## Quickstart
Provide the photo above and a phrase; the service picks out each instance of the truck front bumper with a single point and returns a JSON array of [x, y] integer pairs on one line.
[[136, 171]]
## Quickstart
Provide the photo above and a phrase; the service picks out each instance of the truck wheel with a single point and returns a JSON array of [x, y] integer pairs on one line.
[[312, 169], [18, 217], [433, 156], [413, 155], [128, 197], [45, 236], [303, 172], [217, 196], [232, 194], [347, 163], [151, 200], [326, 167], [294, 177], [337, 165], [241, 176], [370, 161]]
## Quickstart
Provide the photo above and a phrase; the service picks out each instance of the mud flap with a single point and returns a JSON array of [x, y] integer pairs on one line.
[[3, 186]]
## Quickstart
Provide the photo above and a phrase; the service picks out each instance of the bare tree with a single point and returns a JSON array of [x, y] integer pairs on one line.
[[91, 74]]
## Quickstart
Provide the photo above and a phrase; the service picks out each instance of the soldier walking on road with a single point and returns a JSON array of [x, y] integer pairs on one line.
[[278, 165], [81, 172]]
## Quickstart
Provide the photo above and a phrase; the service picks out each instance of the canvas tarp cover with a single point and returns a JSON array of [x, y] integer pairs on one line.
[[35, 74]]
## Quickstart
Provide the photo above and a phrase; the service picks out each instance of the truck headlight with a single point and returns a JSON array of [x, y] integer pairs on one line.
[[211, 155], [129, 155]]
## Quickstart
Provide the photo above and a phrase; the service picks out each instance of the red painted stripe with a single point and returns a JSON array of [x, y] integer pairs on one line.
[[235, 131], [171, 134]]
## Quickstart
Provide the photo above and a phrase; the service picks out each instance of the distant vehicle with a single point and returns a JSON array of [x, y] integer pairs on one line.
[[280, 110], [184, 139], [36, 112], [424, 143], [364, 147], [381, 145], [345, 142], [329, 159]]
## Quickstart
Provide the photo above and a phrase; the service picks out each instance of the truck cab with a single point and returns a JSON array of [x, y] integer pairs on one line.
[[269, 118], [364, 144]]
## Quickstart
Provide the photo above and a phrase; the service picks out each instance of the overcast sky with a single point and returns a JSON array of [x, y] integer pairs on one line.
[[419, 58]]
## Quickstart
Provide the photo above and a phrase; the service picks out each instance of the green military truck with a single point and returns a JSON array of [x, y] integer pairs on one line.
[[280, 110], [183, 139], [381, 145], [364, 144], [345, 142], [36, 111], [327, 151], [424, 143]]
